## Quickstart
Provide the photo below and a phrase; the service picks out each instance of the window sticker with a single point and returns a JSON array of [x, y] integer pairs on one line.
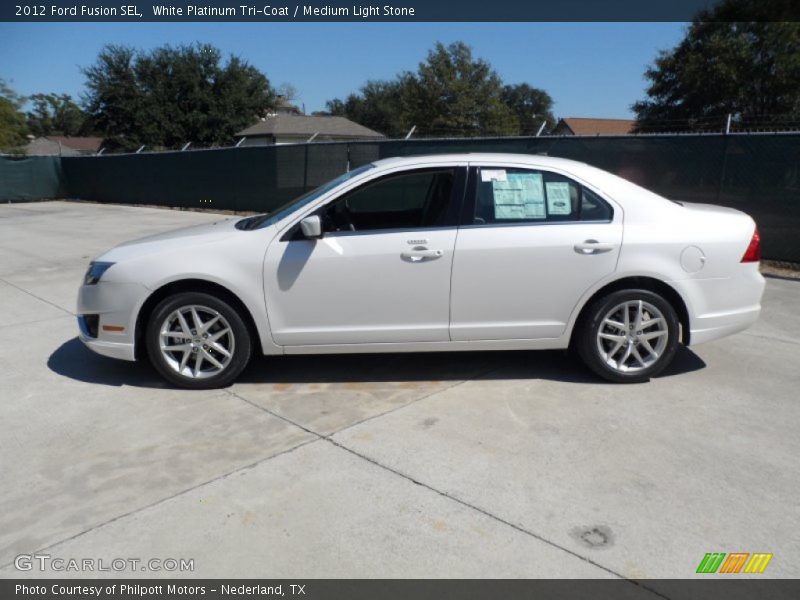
[[493, 175], [559, 201], [521, 196]]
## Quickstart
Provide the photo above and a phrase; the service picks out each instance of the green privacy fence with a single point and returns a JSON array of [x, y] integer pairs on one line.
[[24, 178], [757, 173]]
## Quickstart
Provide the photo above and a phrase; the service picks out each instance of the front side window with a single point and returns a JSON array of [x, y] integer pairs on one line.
[[409, 200], [532, 196], [294, 205]]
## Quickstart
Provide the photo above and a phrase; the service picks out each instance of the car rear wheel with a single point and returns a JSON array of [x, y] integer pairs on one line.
[[629, 336], [197, 341]]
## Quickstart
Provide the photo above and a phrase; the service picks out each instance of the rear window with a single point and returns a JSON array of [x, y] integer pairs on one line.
[[533, 196]]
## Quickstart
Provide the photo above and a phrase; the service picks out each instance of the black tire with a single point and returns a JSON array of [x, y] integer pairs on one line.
[[167, 363], [588, 344]]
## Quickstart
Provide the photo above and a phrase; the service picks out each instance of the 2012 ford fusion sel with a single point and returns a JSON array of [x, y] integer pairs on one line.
[[425, 253]]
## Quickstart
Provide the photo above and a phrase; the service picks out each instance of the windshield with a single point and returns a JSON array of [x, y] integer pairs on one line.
[[298, 203]]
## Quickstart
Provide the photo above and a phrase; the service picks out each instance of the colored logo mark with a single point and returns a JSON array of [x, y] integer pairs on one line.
[[736, 562]]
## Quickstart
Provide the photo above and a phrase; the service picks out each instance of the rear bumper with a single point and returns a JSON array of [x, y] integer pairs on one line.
[[712, 327], [723, 306]]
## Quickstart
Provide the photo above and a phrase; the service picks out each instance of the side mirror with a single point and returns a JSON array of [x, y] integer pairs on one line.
[[311, 227]]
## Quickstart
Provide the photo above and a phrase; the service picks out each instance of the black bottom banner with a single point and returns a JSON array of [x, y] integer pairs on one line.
[[365, 589]]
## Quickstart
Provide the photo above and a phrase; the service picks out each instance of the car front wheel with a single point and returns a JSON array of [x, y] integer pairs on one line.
[[629, 336], [197, 341]]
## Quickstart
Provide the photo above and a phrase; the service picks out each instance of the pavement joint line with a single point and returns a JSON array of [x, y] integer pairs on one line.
[[474, 377], [328, 438], [416, 400], [771, 338], [386, 412], [21, 289], [35, 321], [170, 497], [11, 206]]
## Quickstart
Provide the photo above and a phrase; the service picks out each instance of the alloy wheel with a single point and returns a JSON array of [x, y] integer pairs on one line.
[[632, 336], [196, 341]]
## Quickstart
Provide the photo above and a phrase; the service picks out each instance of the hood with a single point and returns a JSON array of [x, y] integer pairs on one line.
[[163, 242]]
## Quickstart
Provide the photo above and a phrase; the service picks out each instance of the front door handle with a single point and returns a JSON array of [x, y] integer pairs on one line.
[[593, 247], [421, 253]]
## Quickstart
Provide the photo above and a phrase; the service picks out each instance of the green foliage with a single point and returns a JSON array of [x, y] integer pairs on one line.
[[726, 64], [54, 114], [12, 122], [378, 106], [532, 107], [451, 93], [172, 95]]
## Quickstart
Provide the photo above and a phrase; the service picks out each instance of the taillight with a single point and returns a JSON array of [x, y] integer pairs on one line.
[[753, 252]]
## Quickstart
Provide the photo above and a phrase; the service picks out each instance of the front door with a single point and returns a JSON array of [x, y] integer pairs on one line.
[[380, 273]]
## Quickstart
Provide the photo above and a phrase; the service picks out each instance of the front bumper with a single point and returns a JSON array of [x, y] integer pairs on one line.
[[120, 350], [116, 306]]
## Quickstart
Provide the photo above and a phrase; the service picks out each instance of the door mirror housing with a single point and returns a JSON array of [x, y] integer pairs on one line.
[[311, 227]]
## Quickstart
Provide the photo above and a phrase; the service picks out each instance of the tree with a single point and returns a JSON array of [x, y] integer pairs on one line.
[[451, 93], [12, 122], [378, 106], [531, 105], [728, 63], [54, 114], [454, 94], [288, 92], [172, 95]]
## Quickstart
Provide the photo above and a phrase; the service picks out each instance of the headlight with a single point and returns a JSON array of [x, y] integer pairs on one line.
[[95, 272]]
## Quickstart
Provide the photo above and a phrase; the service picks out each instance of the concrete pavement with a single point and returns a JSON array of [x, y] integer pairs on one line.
[[507, 464]]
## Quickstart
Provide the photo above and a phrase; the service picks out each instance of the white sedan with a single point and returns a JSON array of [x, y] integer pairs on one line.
[[425, 253]]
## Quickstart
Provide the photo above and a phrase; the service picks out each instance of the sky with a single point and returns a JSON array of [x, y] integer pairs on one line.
[[590, 69]]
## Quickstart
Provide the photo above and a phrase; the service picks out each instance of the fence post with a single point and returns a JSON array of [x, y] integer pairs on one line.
[[724, 167]]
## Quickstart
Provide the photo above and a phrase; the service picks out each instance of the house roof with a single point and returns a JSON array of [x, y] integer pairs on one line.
[[586, 126], [302, 125], [84, 144], [63, 145]]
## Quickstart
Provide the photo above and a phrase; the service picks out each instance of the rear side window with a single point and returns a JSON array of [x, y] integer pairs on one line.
[[532, 196]]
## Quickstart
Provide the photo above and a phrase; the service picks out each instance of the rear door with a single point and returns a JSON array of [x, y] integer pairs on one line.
[[532, 242]]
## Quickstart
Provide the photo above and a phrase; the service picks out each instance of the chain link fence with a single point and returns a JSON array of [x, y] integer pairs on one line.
[[756, 173]]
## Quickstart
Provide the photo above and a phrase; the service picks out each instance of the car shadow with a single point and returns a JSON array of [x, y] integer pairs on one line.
[[73, 360]]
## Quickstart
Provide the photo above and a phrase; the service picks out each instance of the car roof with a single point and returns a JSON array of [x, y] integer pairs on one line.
[[613, 185], [491, 157]]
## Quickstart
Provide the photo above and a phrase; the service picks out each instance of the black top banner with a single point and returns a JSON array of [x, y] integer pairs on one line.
[[392, 10]]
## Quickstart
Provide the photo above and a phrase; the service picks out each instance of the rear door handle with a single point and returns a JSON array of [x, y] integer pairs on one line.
[[420, 254], [593, 247]]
